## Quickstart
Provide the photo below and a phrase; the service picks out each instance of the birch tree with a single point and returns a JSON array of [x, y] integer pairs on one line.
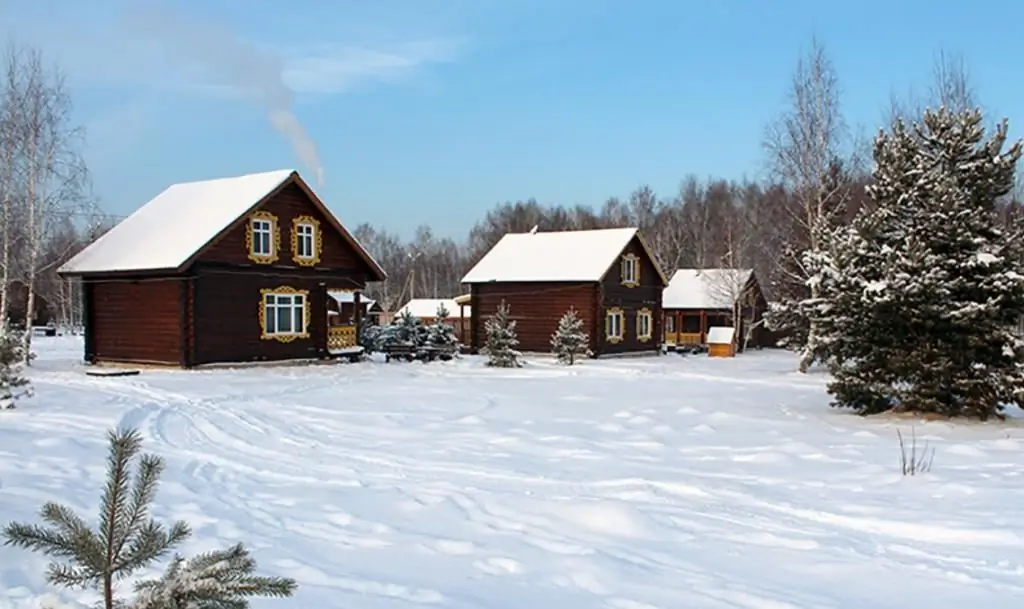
[[805, 146], [10, 146], [55, 175]]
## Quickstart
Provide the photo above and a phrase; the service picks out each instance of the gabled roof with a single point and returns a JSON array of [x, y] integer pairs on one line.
[[427, 307], [705, 288], [584, 255], [168, 232]]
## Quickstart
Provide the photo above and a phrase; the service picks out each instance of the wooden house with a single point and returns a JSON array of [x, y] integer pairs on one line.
[[426, 310], [341, 308], [608, 276], [697, 299], [227, 270]]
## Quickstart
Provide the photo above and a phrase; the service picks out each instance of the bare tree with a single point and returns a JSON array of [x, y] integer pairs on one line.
[[10, 147], [56, 179], [803, 147]]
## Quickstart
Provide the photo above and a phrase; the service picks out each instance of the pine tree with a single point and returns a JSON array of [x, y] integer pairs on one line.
[[127, 539], [927, 290], [570, 340], [13, 384], [501, 339], [221, 579], [440, 333]]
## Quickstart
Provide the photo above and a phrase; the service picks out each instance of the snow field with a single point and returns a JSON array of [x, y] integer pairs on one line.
[[671, 482]]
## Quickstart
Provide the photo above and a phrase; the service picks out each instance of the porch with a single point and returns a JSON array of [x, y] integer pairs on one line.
[[346, 311], [686, 328]]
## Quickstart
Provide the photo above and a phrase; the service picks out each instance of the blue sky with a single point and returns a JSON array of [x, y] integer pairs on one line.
[[431, 111]]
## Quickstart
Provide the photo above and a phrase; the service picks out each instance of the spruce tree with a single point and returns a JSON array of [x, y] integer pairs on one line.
[[13, 383], [440, 333], [502, 339], [128, 539], [927, 290], [570, 340]]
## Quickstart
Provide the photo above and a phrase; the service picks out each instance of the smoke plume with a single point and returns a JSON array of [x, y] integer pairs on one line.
[[220, 59]]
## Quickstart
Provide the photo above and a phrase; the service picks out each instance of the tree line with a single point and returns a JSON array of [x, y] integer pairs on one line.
[[818, 169]]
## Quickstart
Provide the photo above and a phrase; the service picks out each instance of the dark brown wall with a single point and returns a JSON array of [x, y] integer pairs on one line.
[[290, 202], [631, 300], [136, 320], [226, 316], [535, 307]]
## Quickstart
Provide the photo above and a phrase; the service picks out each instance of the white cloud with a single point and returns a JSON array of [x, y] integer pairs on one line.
[[335, 70]]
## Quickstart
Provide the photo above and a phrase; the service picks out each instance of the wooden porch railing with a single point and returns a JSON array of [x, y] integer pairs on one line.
[[690, 338], [341, 337]]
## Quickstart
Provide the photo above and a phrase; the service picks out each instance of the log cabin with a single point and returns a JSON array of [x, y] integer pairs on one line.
[[608, 276], [698, 299], [225, 270], [426, 310]]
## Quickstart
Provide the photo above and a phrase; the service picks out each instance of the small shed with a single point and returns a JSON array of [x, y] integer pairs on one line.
[[722, 341]]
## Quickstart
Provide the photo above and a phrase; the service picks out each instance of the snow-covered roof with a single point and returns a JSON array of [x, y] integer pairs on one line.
[[427, 307], [167, 231], [584, 255], [342, 297], [705, 288], [721, 335]]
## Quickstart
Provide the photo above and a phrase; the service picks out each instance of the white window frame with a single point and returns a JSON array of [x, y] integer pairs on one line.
[[305, 235], [630, 266], [614, 325], [644, 317], [262, 227], [670, 323], [273, 303]]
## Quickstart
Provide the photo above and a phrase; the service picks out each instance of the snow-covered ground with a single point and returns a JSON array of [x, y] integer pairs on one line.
[[671, 482]]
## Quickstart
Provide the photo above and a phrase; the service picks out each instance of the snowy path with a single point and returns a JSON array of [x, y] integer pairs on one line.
[[667, 482]]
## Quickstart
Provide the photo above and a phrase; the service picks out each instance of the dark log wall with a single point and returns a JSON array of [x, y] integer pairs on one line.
[[536, 309], [226, 316], [290, 202], [632, 299], [135, 320]]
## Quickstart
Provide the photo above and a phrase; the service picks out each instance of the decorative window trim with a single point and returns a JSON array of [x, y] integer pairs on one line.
[[318, 241], [284, 337], [275, 238], [647, 314], [630, 261], [608, 316]]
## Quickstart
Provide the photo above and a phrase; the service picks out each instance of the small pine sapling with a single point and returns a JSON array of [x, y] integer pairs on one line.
[[570, 340], [440, 333], [13, 383], [502, 339], [128, 539]]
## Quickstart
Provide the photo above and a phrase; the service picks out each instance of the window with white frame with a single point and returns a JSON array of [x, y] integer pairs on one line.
[[284, 314], [644, 325], [670, 323], [305, 240], [630, 270], [262, 237], [613, 325]]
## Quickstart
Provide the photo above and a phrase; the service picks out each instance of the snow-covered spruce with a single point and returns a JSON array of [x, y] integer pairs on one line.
[[923, 293], [501, 340], [441, 334], [13, 383], [570, 340]]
